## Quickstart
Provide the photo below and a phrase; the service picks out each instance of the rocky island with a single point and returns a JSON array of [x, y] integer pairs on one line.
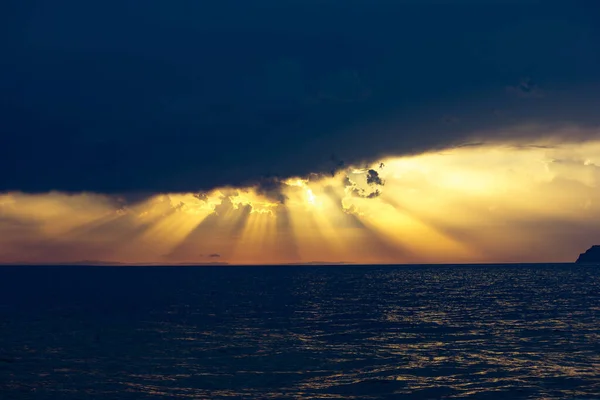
[[591, 256]]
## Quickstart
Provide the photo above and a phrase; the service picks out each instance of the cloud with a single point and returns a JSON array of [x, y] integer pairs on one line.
[[373, 178], [202, 196], [358, 192], [271, 188], [195, 104], [526, 89], [344, 86], [475, 203]]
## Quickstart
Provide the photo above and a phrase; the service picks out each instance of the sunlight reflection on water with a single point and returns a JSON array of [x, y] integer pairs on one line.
[[300, 332]]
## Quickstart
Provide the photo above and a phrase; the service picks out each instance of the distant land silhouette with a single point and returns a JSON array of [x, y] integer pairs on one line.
[[116, 263], [321, 263], [67, 263], [591, 256], [92, 262]]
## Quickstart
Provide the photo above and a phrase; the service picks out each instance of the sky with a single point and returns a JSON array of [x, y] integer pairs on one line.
[[299, 131]]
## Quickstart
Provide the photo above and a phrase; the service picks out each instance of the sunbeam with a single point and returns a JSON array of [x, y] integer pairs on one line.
[[481, 203]]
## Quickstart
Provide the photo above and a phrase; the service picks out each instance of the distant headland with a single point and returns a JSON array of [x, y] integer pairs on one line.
[[591, 256]]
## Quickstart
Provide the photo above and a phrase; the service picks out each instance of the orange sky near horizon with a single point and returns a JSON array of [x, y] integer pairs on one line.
[[476, 204]]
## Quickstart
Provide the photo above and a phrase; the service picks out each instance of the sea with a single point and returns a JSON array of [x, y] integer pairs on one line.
[[300, 332]]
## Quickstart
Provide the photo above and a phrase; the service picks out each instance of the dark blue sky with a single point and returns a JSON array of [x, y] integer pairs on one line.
[[155, 96]]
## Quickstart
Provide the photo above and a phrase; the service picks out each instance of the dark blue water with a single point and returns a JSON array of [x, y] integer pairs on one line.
[[422, 332]]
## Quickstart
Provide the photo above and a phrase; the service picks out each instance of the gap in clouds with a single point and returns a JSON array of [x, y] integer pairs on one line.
[[490, 202]]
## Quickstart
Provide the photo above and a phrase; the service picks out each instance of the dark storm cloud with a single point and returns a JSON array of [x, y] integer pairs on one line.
[[358, 192], [272, 188], [135, 97], [526, 88], [373, 178], [202, 196]]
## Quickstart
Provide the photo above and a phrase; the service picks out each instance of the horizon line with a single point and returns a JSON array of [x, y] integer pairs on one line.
[[296, 264]]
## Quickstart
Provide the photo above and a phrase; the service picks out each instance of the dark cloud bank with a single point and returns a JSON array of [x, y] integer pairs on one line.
[[156, 96]]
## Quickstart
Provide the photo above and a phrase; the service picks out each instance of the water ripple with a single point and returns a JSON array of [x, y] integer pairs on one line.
[[463, 332]]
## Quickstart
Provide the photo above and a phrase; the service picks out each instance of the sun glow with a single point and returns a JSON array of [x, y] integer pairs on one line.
[[310, 197], [473, 204]]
